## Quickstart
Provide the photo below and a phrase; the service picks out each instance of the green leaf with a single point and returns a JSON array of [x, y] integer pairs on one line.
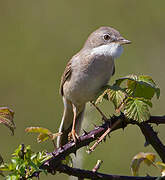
[[162, 165], [68, 161], [4, 167], [13, 177], [44, 133], [137, 109], [114, 94], [142, 86], [100, 96], [42, 137], [147, 158], [38, 130], [23, 166], [6, 118]]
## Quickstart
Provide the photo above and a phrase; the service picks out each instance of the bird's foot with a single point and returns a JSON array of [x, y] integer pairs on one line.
[[73, 136]]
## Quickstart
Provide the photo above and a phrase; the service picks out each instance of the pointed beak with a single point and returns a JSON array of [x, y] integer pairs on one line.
[[124, 41]]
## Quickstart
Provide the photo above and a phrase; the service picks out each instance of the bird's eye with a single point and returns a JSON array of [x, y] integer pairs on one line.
[[106, 37]]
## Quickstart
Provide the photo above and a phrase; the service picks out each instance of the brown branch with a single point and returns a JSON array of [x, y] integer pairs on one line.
[[95, 175], [84, 140], [153, 139], [54, 164], [156, 120]]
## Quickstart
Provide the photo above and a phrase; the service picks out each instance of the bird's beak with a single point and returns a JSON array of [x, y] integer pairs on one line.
[[124, 41]]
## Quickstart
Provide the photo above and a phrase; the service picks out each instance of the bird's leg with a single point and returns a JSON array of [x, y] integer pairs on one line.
[[98, 109], [73, 132]]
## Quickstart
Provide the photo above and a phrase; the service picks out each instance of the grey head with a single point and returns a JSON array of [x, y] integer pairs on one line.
[[104, 35]]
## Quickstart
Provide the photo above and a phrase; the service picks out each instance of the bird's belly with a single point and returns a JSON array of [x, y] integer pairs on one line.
[[85, 84]]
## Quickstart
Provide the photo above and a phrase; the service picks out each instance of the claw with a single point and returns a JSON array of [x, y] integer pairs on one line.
[[75, 137]]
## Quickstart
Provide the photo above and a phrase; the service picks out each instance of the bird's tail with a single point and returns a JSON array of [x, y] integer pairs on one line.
[[67, 120]]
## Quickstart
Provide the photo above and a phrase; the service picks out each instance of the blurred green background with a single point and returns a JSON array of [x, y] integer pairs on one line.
[[37, 38]]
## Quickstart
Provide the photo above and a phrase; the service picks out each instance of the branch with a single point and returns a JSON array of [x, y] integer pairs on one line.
[[152, 138], [84, 140], [95, 175], [54, 164], [156, 120]]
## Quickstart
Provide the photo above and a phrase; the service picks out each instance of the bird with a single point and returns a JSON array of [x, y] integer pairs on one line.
[[86, 73]]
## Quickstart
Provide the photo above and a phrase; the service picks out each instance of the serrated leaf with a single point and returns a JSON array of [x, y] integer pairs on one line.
[[120, 80], [117, 96], [6, 118], [137, 109], [114, 94], [142, 86], [100, 96], [147, 158]]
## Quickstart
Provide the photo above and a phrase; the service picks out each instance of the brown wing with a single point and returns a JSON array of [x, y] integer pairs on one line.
[[65, 76], [113, 70]]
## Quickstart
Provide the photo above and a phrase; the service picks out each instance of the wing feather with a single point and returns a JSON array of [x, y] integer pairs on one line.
[[67, 73]]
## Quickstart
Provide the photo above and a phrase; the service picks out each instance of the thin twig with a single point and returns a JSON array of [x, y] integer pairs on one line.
[[97, 166], [98, 109], [103, 136]]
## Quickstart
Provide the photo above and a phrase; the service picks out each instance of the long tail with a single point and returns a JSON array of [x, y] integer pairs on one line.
[[67, 120]]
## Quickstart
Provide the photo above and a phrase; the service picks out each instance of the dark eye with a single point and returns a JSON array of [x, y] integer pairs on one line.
[[106, 37]]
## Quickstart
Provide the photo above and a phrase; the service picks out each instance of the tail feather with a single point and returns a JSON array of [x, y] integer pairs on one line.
[[67, 120]]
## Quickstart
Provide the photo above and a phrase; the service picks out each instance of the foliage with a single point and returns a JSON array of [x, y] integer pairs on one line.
[[44, 134], [133, 97], [24, 163], [148, 159], [6, 118]]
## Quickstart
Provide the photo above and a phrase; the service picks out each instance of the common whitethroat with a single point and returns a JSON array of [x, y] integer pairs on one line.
[[85, 75]]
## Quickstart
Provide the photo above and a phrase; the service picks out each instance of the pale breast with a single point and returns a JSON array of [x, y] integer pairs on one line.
[[89, 75]]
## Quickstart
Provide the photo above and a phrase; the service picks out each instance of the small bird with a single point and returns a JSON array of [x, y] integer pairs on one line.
[[85, 75]]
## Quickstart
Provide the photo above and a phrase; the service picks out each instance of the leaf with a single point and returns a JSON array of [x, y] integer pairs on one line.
[[38, 130], [68, 161], [147, 158], [42, 137], [6, 118], [44, 133], [129, 77], [142, 86], [100, 96], [137, 109], [114, 94], [162, 165]]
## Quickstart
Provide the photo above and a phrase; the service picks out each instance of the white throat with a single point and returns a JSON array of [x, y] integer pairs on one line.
[[113, 49]]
